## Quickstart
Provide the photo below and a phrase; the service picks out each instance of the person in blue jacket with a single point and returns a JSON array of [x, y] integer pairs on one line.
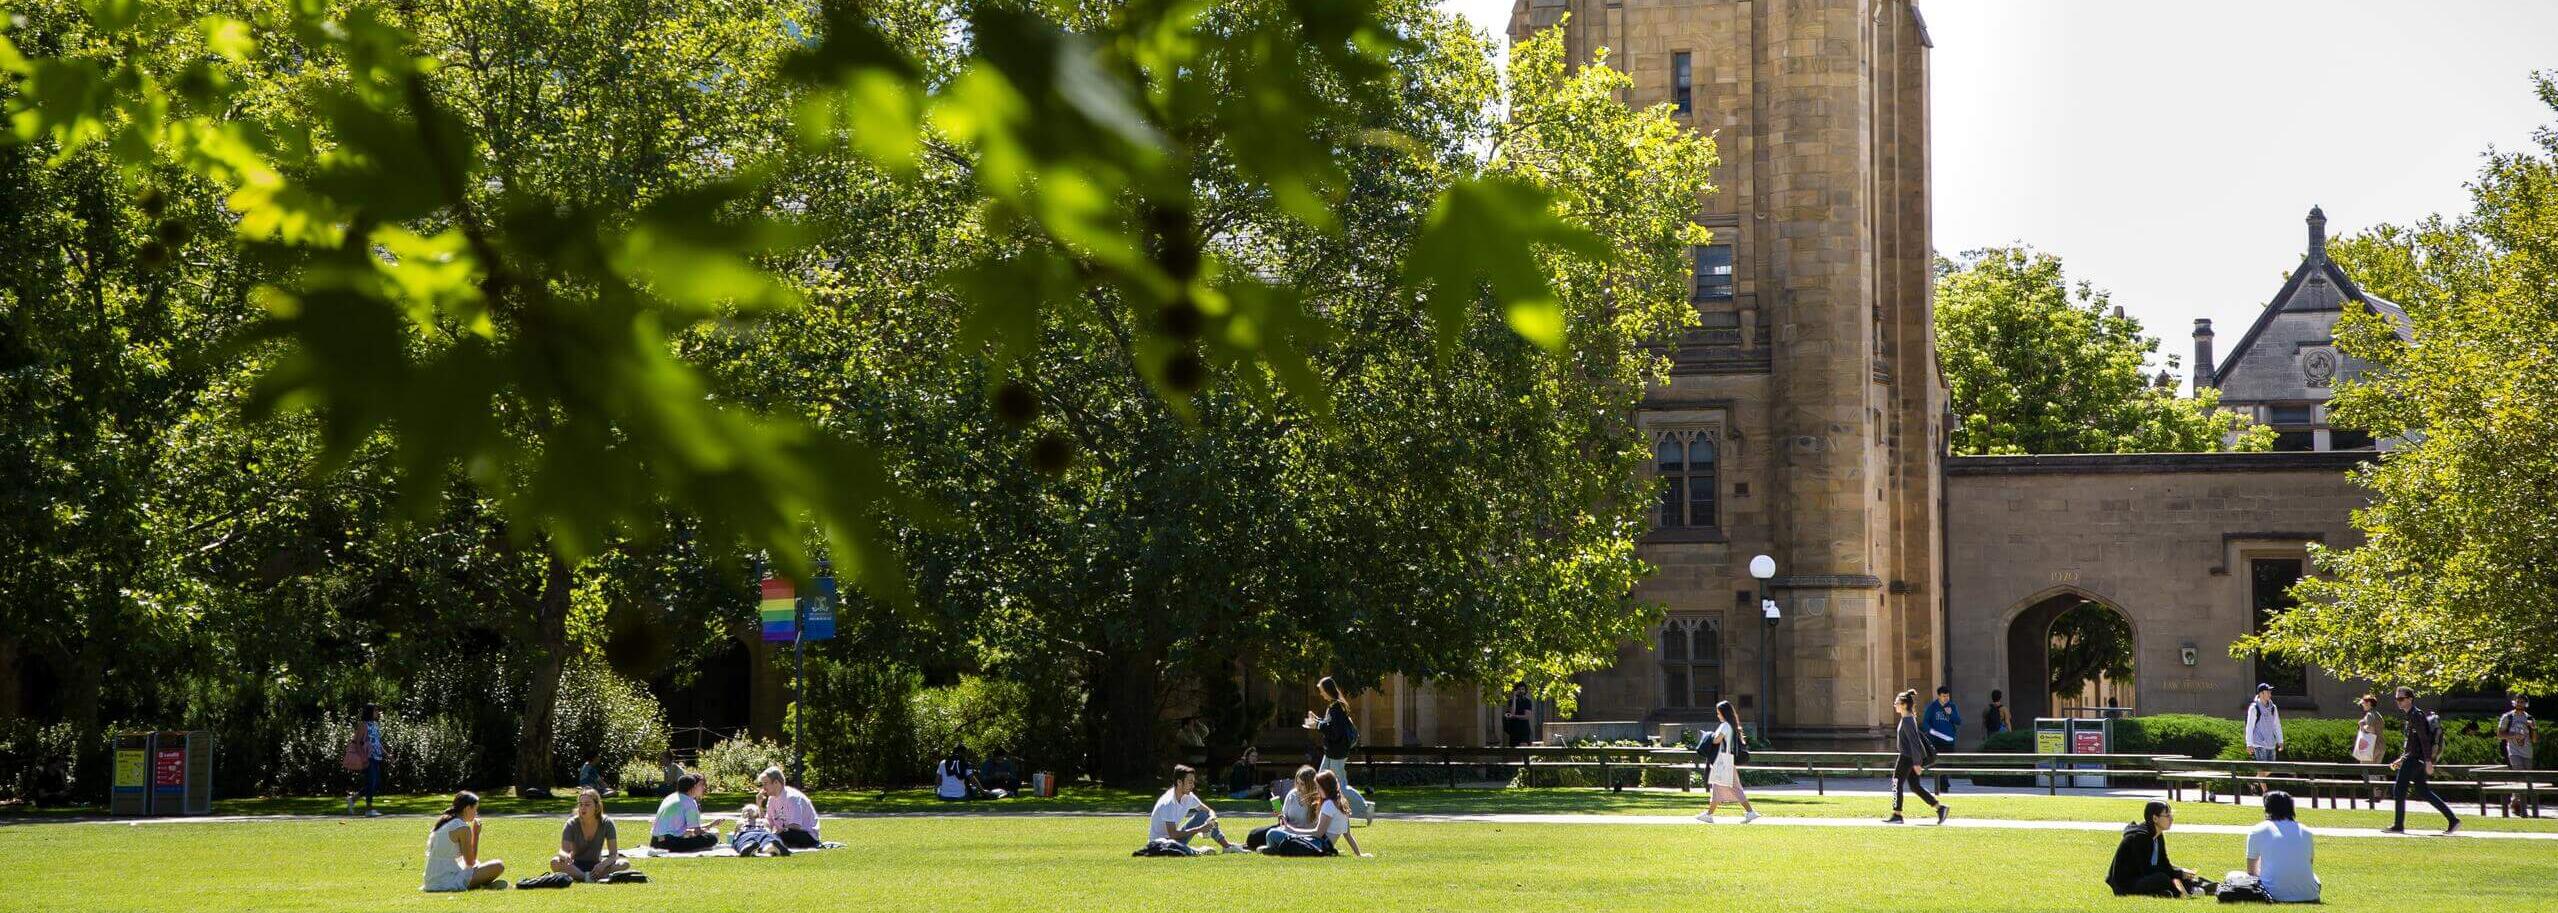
[[1941, 723]]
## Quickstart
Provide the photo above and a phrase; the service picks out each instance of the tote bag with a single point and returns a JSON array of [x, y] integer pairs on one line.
[[2366, 746]]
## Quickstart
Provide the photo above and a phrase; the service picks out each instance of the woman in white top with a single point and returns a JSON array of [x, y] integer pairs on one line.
[[453, 860], [1723, 780], [1332, 817]]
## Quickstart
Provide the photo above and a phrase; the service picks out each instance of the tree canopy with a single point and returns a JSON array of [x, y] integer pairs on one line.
[[2455, 582], [2036, 365]]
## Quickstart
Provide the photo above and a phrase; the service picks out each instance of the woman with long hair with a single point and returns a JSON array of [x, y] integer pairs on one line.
[[1332, 822], [1340, 735], [453, 860], [365, 757], [590, 850], [1915, 754], [1723, 780], [2141, 867], [1296, 809]]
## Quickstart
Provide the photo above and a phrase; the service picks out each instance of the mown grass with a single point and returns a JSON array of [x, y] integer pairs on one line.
[[1071, 864]]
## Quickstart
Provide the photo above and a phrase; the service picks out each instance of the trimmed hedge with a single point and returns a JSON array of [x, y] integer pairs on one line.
[[2466, 740]]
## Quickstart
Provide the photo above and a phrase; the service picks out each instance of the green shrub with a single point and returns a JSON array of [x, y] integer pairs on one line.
[[641, 776], [980, 713], [2013, 741], [599, 712], [38, 763], [732, 765], [2192, 735]]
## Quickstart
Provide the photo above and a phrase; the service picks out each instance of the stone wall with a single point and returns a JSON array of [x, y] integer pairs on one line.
[[2163, 538]]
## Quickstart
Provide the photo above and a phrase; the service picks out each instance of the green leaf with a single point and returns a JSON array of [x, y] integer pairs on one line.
[[1489, 231]]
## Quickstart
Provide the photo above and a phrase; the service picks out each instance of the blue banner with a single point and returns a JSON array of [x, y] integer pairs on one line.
[[817, 611]]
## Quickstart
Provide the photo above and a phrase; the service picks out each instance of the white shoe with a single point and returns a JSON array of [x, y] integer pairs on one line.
[[372, 813], [1753, 816], [1707, 817]]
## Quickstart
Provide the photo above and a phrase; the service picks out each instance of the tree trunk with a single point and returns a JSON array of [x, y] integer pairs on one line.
[[541, 697], [1127, 714]]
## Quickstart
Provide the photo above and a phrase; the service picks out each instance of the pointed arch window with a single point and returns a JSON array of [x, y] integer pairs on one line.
[[1688, 462]]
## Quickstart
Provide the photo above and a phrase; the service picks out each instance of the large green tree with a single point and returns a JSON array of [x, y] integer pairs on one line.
[[2456, 583], [1460, 513], [2036, 364]]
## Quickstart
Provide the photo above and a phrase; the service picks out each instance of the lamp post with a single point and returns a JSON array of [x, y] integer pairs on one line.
[[1763, 568]]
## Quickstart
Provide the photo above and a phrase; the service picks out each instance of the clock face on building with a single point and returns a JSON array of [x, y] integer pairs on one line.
[[2318, 366]]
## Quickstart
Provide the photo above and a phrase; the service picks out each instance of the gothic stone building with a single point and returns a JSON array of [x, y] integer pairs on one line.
[[1804, 421]]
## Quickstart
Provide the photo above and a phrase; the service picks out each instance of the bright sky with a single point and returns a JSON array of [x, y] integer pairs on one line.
[[2167, 150]]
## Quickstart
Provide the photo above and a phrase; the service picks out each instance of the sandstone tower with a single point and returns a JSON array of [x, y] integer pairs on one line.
[[1804, 418]]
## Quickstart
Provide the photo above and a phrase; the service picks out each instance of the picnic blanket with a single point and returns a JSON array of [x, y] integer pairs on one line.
[[650, 852]]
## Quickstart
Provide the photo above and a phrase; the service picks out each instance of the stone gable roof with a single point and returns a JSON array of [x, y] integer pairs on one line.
[[2291, 300]]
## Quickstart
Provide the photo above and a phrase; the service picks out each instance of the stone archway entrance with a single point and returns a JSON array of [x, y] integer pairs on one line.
[[2069, 634]]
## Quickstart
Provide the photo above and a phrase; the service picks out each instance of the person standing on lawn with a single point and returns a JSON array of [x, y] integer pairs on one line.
[[1916, 752], [1518, 718], [365, 757], [453, 860], [1942, 722], [2141, 867], [2415, 764], [1340, 735], [679, 828], [2519, 733], [1994, 717], [1723, 780], [787, 811]]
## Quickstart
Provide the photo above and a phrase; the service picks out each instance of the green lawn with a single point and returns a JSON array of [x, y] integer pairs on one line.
[[1034, 865], [1430, 800]]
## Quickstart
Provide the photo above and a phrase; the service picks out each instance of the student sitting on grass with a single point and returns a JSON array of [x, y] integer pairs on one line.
[[678, 828], [1240, 778], [1001, 775], [2279, 856], [589, 848], [1296, 809], [591, 775], [752, 837], [1331, 828], [453, 860], [955, 782], [792, 816], [1180, 816], [2141, 866]]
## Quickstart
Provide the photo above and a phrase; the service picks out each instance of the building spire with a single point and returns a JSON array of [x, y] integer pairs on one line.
[[2317, 234]]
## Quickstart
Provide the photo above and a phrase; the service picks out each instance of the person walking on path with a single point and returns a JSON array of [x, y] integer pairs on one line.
[[2519, 734], [1942, 722], [2264, 728], [1994, 717], [1340, 735], [2415, 764], [365, 757], [1915, 754], [2141, 867], [1723, 779], [2370, 735], [1518, 718]]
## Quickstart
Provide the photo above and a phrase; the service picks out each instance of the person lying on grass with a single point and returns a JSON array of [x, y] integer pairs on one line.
[[679, 828], [1180, 816], [589, 847], [2141, 867], [1332, 823], [752, 837], [453, 860]]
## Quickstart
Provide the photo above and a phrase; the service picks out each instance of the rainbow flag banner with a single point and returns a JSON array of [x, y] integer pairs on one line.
[[779, 610]]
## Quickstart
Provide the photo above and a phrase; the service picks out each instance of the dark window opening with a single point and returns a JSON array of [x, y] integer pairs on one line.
[[1682, 83], [1691, 663], [1686, 464], [2295, 441], [2271, 582], [2291, 415], [2348, 439], [1713, 272]]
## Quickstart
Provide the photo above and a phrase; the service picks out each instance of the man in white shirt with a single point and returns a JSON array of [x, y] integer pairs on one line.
[[2279, 854], [1179, 815]]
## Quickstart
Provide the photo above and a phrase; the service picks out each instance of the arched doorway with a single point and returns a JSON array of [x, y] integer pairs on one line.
[[2069, 649]]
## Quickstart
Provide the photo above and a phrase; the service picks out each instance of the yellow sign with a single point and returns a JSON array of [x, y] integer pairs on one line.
[[2048, 741], [130, 768]]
